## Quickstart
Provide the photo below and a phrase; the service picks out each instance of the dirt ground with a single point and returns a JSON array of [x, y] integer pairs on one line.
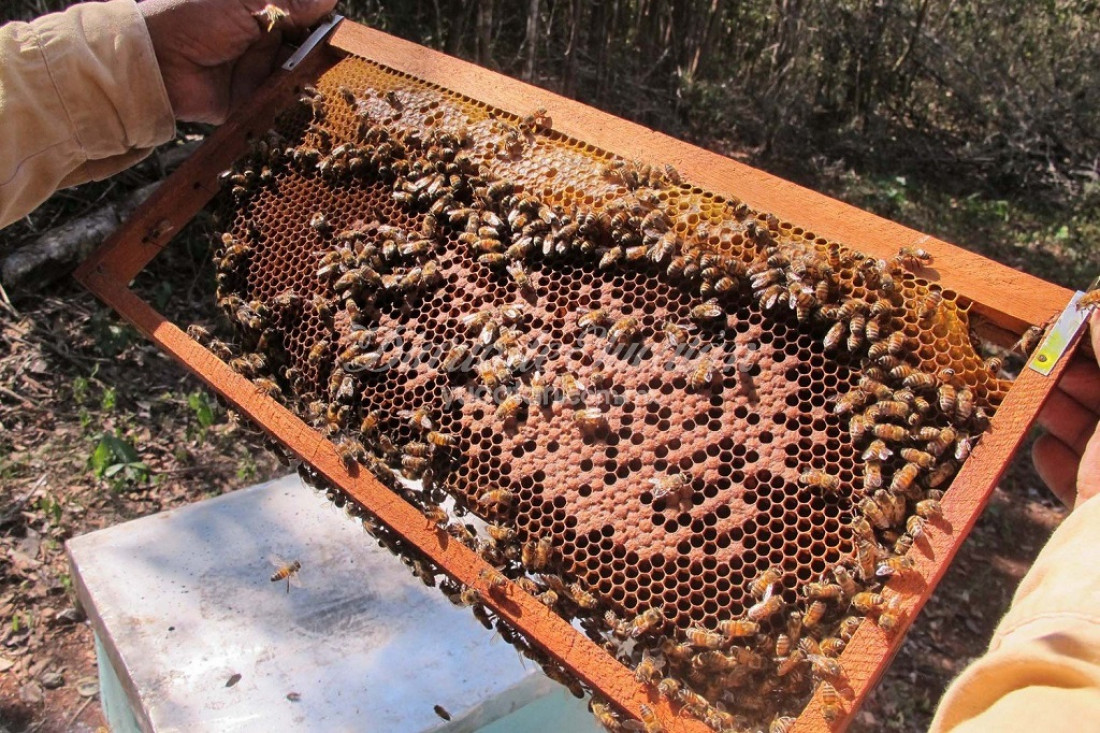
[[97, 427]]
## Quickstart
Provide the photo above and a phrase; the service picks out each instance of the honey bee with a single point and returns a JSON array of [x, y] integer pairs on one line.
[[1089, 300], [781, 724], [582, 598], [649, 719], [676, 334], [669, 688], [418, 449], [790, 662], [890, 616], [948, 398], [519, 276], [624, 330], [393, 100], [877, 451], [649, 620], [830, 702], [572, 388], [1029, 340], [590, 419], [872, 475], [835, 336], [496, 499], [510, 407], [887, 409], [941, 473], [704, 638], [867, 602], [414, 466], [605, 716], [814, 613], [647, 671], [469, 596], [965, 405], [895, 565], [538, 555], [919, 457], [904, 477], [703, 375], [595, 318], [500, 533], [319, 223], [928, 509], [762, 584], [454, 357], [494, 578], [707, 312], [285, 571], [766, 608], [850, 401], [436, 515], [611, 257], [822, 591], [914, 525], [820, 480]]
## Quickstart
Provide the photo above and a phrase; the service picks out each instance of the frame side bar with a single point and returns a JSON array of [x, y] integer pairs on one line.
[[1010, 298], [540, 625], [871, 650], [183, 194]]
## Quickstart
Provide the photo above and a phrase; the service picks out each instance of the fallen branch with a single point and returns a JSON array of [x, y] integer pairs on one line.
[[57, 251]]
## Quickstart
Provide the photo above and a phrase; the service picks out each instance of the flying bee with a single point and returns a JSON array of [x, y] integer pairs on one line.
[[820, 480], [496, 499], [510, 407], [285, 571], [895, 565], [830, 702], [624, 330], [595, 318], [702, 375], [707, 312]]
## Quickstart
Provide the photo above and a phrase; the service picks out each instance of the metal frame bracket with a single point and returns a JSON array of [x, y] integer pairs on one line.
[[318, 35], [1061, 334]]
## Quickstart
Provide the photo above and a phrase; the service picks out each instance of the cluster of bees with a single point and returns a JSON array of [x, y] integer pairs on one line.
[[912, 427]]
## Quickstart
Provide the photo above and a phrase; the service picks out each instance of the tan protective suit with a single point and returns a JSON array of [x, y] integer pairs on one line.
[[81, 97]]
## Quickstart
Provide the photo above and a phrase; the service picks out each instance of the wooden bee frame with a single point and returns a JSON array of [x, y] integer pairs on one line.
[[1008, 301]]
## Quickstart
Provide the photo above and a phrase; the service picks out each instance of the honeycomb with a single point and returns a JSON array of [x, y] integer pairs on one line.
[[704, 435]]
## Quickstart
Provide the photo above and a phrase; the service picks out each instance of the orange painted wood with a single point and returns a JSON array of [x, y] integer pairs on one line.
[[871, 650], [1010, 298], [588, 661], [195, 182]]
